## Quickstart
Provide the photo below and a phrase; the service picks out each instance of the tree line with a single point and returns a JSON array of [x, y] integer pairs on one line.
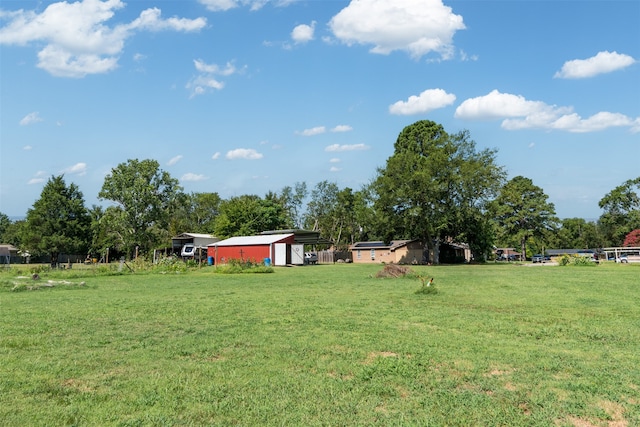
[[436, 187]]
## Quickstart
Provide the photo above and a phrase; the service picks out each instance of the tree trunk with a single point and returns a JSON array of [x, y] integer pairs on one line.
[[54, 259], [436, 252]]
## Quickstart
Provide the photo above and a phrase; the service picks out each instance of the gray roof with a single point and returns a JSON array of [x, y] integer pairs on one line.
[[307, 237]]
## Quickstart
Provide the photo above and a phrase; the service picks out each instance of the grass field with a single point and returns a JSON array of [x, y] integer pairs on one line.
[[326, 345]]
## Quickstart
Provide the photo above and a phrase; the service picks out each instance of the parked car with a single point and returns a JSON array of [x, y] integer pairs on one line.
[[310, 258], [623, 259], [188, 250], [538, 258]]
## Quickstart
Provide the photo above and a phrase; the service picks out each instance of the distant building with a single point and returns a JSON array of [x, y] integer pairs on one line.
[[279, 249], [396, 251]]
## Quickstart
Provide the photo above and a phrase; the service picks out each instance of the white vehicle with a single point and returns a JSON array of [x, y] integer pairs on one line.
[[310, 258], [188, 250]]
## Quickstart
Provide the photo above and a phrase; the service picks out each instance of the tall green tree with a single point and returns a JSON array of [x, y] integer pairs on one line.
[[577, 233], [292, 199], [435, 187], [196, 214], [522, 211], [621, 212], [248, 215], [320, 213], [58, 222], [5, 224], [145, 198]]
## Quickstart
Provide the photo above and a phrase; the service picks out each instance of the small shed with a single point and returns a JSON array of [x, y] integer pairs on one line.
[[275, 247], [397, 252], [6, 252], [199, 240]]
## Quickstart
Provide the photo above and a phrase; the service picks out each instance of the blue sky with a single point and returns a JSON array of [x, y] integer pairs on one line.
[[247, 96]]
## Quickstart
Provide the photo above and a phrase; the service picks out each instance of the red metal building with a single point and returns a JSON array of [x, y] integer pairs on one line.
[[275, 247]]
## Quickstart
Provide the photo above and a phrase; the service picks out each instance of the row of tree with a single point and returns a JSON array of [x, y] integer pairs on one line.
[[436, 187]]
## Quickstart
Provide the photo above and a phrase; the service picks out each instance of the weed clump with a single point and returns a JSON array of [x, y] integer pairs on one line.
[[428, 287]]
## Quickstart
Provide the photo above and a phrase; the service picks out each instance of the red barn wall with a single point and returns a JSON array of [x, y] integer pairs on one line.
[[256, 253]]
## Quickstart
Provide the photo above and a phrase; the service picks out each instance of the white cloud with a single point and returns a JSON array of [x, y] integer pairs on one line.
[[603, 62], [520, 113], [224, 5], [428, 100], [243, 153], [352, 147], [219, 5], [174, 160], [75, 36], [193, 177], [38, 178], [342, 128], [334, 169], [318, 130], [303, 33], [77, 169], [31, 118], [216, 155], [417, 27], [334, 160], [151, 20], [207, 79], [27, 148]]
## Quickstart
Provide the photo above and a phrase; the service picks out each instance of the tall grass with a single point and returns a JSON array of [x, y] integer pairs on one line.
[[326, 345]]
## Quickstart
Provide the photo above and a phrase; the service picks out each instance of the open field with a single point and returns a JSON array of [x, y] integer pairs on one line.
[[326, 345]]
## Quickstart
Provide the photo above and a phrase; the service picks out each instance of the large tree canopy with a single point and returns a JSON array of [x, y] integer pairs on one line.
[[435, 187], [58, 222], [522, 211], [145, 198], [621, 212], [248, 215], [577, 233]]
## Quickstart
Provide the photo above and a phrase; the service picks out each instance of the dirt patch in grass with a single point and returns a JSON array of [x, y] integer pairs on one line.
[[375, 354], [394, 270], [614, 410]]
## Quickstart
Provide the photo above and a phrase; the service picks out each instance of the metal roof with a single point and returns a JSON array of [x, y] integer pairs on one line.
[[193, 235], [252, 240], [306, 237]]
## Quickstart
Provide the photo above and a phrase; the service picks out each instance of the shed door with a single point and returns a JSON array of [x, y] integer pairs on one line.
[[281, 254], [297, 254]]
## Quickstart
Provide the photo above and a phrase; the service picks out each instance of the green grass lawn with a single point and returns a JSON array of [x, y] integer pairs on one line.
[[326, 345]]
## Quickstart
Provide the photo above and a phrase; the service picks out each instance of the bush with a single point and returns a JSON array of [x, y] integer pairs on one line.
[[235, 266], [428, 287], [577, 260]]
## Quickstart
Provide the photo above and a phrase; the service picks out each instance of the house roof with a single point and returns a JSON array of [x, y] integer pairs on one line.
[[252, 240], [393, 245]]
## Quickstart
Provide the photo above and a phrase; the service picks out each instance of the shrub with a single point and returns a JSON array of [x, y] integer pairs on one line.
[[577, 260], [428, 287], [236, 266]]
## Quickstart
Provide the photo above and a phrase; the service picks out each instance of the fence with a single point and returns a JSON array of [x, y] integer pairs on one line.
[[330, 257]]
